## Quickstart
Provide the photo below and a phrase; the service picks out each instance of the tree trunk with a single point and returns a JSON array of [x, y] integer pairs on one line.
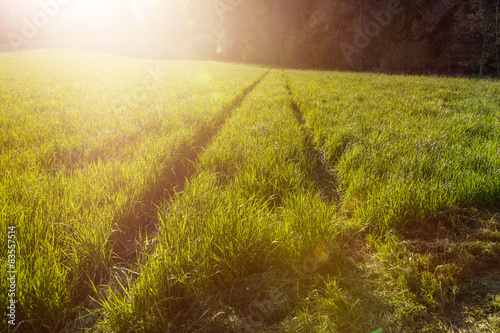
[[362, 28], [482, 61], [497, 37]]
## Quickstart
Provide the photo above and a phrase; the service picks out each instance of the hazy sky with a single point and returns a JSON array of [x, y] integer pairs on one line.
[[101, 21]]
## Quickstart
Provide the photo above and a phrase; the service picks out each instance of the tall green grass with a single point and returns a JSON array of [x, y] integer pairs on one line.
[[244, 239], [83, 160], [404, 147], [207, 197]]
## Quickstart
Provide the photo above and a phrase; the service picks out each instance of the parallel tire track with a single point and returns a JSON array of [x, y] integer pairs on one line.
[[142, 220], [324, 177]]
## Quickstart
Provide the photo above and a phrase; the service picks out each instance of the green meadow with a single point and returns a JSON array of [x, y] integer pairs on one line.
[[185, 196]]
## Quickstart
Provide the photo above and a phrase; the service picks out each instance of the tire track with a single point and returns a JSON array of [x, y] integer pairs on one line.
[[141, 220], [322, 174], [132, 239]]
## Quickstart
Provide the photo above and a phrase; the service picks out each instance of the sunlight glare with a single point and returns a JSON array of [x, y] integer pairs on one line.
[[96, 24], [101, 16]]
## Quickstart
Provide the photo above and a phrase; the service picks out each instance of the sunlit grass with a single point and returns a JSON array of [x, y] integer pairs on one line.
[[191, 196], [78, 163], [405, 147], [240, 217]]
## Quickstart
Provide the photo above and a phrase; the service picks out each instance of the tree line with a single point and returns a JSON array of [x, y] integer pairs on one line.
[[413, 36], [409, 36]]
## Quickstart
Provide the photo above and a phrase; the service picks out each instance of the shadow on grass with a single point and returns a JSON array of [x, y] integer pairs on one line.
[[450, 265]]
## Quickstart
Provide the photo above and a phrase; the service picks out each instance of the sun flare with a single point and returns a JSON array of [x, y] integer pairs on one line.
[[132, 27], [99, 17], [68, 23]]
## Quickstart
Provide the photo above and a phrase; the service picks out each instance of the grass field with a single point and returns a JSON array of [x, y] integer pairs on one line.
[[214, 197]]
